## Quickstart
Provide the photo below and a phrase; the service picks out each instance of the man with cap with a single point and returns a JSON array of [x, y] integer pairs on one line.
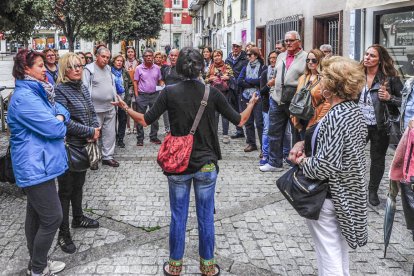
[[237, 60]]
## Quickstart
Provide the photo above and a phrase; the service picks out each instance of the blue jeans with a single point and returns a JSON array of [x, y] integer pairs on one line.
[[287, 140], [265, 139], [279, 117], [256, 118], [204, 189]]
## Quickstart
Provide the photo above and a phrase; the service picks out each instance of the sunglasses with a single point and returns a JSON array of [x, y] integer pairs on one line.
[[236, 46], [314, 60], [290, 40], [50, 56], [249, 55], [76, 67]]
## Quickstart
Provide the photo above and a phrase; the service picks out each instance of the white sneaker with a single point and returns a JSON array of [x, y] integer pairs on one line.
[[51, 268], [55, 266], [226, 139], [268, 168]]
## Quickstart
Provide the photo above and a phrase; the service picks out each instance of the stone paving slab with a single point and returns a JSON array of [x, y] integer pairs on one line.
[[13, 249]]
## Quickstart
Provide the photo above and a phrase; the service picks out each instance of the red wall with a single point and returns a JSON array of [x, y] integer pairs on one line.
[[168, 18], [168, 3], [186, 18], [185, 4]]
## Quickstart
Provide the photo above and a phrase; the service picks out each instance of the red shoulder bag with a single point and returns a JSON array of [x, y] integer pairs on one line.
[[175, 151]]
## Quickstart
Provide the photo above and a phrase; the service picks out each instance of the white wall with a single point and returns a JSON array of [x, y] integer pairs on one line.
[[267, 10]]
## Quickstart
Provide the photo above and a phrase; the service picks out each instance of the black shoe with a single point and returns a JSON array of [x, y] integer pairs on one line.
[[94, 167], [140, 143], [111, 163], [237, 135], [84, 222], [156, 141], [65, 242], [250, 148], [121, 144], [373, 198]]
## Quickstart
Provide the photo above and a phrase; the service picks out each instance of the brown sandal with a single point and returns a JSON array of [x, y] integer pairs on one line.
[[174, 268]]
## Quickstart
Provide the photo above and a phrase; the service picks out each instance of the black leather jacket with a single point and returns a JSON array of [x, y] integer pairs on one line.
[[394, 87]]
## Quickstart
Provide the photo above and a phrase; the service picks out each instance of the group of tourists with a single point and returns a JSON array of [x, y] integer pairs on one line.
[[81, 99]]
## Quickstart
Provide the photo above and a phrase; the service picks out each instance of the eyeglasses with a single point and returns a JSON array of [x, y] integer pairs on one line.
[[249, 55], [236, 46], [314, 60], [76, 67], [272, 57], [148, 56], [290, 40]]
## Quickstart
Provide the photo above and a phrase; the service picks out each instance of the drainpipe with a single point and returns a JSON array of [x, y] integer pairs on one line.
[[252, 22], [364, 29]]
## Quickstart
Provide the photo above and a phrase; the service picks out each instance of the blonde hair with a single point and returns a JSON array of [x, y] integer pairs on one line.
[[342, 76], [66, 61], [157, 53], [118, 56]]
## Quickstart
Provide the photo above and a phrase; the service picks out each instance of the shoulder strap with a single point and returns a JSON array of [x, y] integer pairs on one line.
[[201, 109], [283, 73]]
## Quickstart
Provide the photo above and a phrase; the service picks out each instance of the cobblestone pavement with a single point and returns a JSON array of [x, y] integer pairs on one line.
[[257, 231]]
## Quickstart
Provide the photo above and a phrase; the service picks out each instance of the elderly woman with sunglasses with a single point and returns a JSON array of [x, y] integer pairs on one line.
[[38, 127], [310, 80], [83, 127]]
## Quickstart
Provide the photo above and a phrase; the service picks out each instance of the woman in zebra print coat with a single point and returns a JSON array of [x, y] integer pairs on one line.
[[339, 157]]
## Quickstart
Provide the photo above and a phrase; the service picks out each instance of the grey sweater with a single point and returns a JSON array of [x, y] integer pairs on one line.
[[292, 75]]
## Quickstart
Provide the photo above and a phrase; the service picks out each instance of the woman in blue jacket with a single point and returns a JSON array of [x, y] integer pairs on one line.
[[37, 126], [249, 81]]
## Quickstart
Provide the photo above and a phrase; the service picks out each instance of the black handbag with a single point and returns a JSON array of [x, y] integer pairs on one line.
[[301, 104], [394, 130], [78, 158], [304, 194], [288, 91], [6, 168], [407, 200]]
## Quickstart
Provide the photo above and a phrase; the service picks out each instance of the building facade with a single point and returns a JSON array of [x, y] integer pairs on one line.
[[177, 26]]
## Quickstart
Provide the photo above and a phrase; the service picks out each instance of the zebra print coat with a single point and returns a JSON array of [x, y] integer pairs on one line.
[[340, 157]]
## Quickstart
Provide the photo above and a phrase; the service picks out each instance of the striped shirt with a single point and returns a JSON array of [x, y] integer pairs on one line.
[[75, 97], [340, 157]]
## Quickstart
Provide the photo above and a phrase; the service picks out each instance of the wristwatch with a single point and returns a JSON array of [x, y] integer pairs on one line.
[[126, 109]]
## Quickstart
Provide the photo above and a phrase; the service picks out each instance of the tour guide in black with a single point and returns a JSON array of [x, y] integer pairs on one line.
[[182, 102]]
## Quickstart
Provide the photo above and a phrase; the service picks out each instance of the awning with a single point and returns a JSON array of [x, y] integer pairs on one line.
[[360, 4]]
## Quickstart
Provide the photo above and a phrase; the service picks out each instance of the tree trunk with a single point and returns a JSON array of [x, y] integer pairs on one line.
[[137, 47], [110, 40], [71, 41]]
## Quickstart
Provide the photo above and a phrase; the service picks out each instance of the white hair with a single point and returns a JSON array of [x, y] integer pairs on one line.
[[297, 35], [328, 47]]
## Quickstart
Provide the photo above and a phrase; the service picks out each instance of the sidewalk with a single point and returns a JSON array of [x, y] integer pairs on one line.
[[257, 231]]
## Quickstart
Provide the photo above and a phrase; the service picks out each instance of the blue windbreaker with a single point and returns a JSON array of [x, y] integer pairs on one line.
[[37, 137]]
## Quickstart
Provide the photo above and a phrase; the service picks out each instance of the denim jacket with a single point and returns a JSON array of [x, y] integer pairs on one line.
[[405, 93]]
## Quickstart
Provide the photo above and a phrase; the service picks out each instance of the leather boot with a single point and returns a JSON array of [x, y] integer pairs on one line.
[[373, 198]]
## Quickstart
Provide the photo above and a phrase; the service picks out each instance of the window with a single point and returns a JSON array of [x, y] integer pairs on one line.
[[176, 19], [219, 15], [243, 12], [327, 29], [276, 29], [229, 13], [394, 29], [178, 4]]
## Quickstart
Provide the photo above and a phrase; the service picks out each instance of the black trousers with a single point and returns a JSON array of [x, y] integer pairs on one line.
[[379, 145], [122, 122], [71, 192], [43, 218]]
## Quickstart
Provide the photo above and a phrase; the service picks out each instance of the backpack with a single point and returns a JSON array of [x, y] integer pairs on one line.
[[301, 104]]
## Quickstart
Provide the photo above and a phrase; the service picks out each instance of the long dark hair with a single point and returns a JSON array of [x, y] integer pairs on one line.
[[386, 63]]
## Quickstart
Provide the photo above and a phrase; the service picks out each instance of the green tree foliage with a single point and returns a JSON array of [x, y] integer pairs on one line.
[[19, 18], [142, 20], [71, 15]]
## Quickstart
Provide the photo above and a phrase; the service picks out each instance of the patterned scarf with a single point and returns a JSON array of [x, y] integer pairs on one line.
[[131, 65], [50, 90], [252, 72], [119, 82]]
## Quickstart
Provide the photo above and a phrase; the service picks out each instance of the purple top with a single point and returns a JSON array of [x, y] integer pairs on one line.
[[147, 78]]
